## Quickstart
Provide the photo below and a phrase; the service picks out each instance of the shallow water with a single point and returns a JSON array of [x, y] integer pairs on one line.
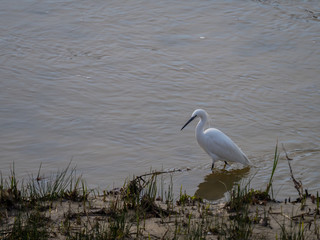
[[109, 84]]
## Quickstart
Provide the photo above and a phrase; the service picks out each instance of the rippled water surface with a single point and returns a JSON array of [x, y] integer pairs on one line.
[[109, 84]]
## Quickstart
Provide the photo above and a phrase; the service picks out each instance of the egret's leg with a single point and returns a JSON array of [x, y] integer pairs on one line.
[[212, 166], [225, 164]]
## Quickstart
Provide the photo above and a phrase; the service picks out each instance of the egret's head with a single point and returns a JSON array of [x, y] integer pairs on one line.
[[197, 113], [200, 113]]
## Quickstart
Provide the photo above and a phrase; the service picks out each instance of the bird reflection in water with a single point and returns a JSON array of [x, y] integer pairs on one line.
[[219, 182]]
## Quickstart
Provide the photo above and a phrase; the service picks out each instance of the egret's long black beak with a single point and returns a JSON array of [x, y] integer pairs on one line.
[[190, 120]]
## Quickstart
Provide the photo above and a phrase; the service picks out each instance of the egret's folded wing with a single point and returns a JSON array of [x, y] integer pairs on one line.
[[222, 146]]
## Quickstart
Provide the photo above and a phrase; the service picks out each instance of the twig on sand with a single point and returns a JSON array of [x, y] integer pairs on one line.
[[297, 184], [281, 213]]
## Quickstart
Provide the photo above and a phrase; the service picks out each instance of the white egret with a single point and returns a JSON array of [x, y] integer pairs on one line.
[[215, 143]]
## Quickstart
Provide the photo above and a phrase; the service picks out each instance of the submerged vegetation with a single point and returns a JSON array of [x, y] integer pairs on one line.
[[61, 207]]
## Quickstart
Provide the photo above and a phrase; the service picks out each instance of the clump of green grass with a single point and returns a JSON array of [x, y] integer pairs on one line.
[[274, 166], [198, 229], [9, 190], [293, 233], [318, 204], [132, 205], [241, 195], [239, 226], [117, 227], [63, 184], [29, 226], [140, 195], [241, 222], [28, 201], [188, 200]]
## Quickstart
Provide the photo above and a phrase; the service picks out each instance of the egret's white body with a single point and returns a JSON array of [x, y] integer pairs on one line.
[[215, 143]]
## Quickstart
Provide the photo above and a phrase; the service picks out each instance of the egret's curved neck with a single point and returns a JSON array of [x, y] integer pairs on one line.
[[200, 126]]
